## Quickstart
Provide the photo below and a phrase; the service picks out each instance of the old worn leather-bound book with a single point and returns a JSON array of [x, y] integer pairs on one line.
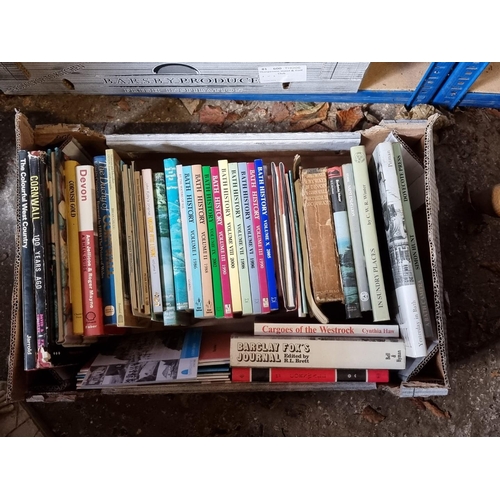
[[323, 257]]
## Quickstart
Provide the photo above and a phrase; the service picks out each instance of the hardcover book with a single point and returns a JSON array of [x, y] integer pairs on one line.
[[176, 239], [27, 295], [307, 375], [344, 244], [408, 315], [369, 235], [152, 358], [152, 241], [165, 251], [266, 235], [185, 235], [355, 233], [326, 330], [227, 210], [246, 208], [212, 242], [239, 237], [221, 243], [214, 348], [271, 352], [75, 281], [258, 238], [93, 320], [192, 235], [38, 214], [203, 243], [104, 230]]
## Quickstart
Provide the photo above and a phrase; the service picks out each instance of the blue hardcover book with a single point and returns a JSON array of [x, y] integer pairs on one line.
[[105, 240], [266, 233], [175, 227], [163, 232], [250, 238], [192, 228]]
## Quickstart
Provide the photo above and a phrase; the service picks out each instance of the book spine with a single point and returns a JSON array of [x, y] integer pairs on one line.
[[107, 267], [192, 238], [145, 288], [27, 296], [412, 240], [239, 236], [221, 243], [227, 209], [409, 317], [248, 229], [113, 163], [300, 260], [75, 276], [320, 235], [212, 243], [328, 330], [344, 244], [185, 236], [271, 352], [165, 251], [307, 375], [93, 320], [369, 235], [152, 241], [36, 161], [176, 239], [266, 236], [357, 243], [203, 243], [52, 250], [62, 230], [258, 238]]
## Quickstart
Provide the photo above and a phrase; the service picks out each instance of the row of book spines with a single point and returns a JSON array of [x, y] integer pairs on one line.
[[220, 209]]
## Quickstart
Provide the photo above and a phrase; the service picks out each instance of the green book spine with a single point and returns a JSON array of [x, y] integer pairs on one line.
[[212, 243]]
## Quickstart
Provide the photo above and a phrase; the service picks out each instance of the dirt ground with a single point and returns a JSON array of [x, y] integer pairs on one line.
[[467, 156]]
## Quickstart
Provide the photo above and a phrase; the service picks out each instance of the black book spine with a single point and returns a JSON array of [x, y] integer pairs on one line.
[[38, 216], [27, 295]]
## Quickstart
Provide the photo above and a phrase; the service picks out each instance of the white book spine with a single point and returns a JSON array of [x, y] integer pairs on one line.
[[185, 236], [376, 283], [152, 239], [271, 352], [409, 317], [326, 330]]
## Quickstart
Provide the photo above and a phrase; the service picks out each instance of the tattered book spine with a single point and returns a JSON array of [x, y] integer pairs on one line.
[[323, 258], [344, 244], [27, 295]]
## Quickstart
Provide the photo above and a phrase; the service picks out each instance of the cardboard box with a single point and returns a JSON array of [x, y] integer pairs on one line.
[[429, 377], [190, 79]]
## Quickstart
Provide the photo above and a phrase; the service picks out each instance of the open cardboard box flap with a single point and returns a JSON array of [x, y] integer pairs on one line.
[[429, 376]]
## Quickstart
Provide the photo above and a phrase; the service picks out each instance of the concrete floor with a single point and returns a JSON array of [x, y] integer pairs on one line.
[[467, 153]]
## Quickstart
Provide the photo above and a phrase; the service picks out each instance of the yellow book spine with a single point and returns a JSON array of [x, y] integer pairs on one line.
[[227, 207], [75, 279]]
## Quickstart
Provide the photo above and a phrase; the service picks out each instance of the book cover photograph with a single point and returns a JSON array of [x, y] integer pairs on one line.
[[151, 358]]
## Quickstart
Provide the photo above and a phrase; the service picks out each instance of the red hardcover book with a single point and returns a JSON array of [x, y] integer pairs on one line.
[[307, 375], [259, 241], [214, 349], [221, 241], [93, 318]]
